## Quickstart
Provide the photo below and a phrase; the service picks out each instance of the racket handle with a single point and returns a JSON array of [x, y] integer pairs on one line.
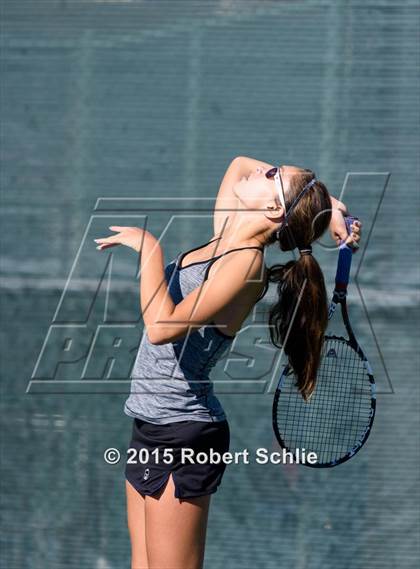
[[345, 255]]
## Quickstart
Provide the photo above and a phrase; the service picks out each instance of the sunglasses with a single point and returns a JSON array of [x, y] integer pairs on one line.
[[275, 173]]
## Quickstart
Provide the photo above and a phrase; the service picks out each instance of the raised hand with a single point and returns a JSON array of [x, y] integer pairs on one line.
[[129, 236], [338, 227]]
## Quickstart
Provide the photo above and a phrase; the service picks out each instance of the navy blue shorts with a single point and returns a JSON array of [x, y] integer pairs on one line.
[[148, 472]]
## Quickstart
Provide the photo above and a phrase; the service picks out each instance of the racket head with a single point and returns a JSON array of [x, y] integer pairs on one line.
[[336, 421]]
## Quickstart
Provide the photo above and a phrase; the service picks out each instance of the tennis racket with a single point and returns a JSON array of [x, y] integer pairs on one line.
[[337, 419]]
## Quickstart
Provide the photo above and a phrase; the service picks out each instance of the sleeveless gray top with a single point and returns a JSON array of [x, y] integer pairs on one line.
[[170, 382]]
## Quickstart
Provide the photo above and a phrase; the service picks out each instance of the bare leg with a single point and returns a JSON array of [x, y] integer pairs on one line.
[[137, 527], [176, 530]]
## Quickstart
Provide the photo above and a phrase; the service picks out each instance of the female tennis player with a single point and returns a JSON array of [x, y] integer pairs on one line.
[[192, 309]]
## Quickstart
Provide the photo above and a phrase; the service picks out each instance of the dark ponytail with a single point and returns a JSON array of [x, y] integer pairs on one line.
[[298, 319]]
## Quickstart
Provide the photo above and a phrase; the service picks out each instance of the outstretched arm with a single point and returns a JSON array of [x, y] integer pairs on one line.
[[165, 321]]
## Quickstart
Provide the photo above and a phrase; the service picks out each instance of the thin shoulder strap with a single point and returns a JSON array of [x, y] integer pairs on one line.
[[185, 253], [225, 253]]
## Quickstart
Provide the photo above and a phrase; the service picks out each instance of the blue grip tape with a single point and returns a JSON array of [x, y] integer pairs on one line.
[[344, 259]]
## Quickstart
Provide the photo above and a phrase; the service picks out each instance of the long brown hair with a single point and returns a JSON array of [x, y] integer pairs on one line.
[[299, 317]]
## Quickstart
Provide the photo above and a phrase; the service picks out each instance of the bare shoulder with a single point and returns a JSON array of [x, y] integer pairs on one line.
[[244, 267], [241, 280]]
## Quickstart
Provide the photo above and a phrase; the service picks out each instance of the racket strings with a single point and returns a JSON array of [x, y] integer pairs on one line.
[[336, 417]]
